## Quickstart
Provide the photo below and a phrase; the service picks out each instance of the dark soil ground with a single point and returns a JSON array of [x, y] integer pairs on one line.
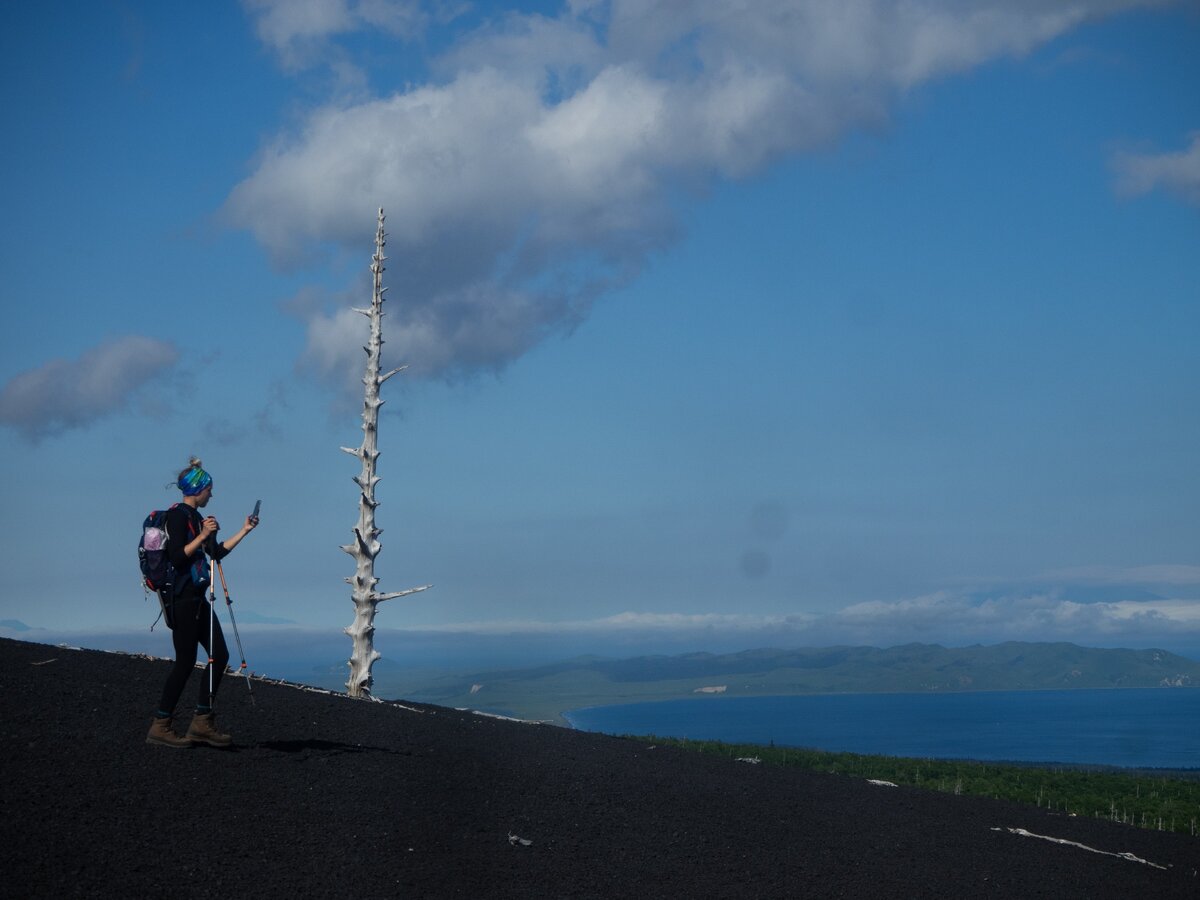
[[323, 796]]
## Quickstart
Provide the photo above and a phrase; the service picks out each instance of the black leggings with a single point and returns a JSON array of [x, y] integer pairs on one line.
[[190, 628]]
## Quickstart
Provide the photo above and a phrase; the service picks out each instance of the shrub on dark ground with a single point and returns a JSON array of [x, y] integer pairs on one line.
[[323, 796]]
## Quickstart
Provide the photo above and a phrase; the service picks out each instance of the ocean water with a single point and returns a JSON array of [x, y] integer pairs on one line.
[[1133, 727]]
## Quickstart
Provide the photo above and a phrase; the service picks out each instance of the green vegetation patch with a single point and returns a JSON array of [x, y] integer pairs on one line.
[[1163, 800]]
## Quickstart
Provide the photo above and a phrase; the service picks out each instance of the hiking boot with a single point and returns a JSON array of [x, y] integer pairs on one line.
[[161, 733], [203, 730]]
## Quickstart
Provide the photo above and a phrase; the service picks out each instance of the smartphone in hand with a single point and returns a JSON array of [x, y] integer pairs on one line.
[[254, 515]]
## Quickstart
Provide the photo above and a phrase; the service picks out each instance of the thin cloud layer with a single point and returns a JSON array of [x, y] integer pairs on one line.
[[1180, 575], [1176, 173], [537, 170], [65, 394], [946, 618]]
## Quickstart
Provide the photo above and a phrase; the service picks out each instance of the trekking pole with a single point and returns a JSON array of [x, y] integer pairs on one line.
[[237, 637], [212, 615]]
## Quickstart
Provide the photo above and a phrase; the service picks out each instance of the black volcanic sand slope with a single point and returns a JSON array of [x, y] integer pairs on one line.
[[323, 796]]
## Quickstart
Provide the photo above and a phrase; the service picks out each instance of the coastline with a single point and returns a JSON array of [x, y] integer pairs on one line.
[[1117, 727], [564, 716]]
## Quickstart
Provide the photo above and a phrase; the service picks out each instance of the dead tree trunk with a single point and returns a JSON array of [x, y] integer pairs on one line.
[[366, 544]]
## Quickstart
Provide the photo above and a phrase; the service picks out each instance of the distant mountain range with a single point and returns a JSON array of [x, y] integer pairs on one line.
[[544, 692]]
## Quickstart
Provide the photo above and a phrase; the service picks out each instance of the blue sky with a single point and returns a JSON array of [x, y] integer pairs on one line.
[[775, 323]]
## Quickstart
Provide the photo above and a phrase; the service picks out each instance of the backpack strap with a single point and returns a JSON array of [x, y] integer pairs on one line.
[[197, 569]]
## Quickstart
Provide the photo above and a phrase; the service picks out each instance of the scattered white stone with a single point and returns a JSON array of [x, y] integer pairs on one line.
[[407, 708], [1129, 856], [488, 715], [882, 783]]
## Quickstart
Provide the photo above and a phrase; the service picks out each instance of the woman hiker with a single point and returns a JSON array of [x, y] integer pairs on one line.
[[191, 539]]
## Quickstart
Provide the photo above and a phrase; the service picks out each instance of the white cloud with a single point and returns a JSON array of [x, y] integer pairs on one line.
[[632, 622], [961, 618], [299, 31], [332, 343], [65, 394], [1181, 612], [1177, 173], [403, 18], [536, 172], [280, 22]]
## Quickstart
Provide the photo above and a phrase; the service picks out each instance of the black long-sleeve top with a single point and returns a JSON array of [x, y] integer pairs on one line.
[[191, 572]]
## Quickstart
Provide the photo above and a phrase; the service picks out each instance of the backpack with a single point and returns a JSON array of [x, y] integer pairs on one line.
[[157, 572], [158, 575]]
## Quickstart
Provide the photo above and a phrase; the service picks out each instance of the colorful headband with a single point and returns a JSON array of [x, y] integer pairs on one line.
[[193, 481]]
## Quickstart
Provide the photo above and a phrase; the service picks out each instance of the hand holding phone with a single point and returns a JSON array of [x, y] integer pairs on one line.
[[254, 515]]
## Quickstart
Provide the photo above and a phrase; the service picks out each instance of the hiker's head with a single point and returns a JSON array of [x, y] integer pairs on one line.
[[194, 481]]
